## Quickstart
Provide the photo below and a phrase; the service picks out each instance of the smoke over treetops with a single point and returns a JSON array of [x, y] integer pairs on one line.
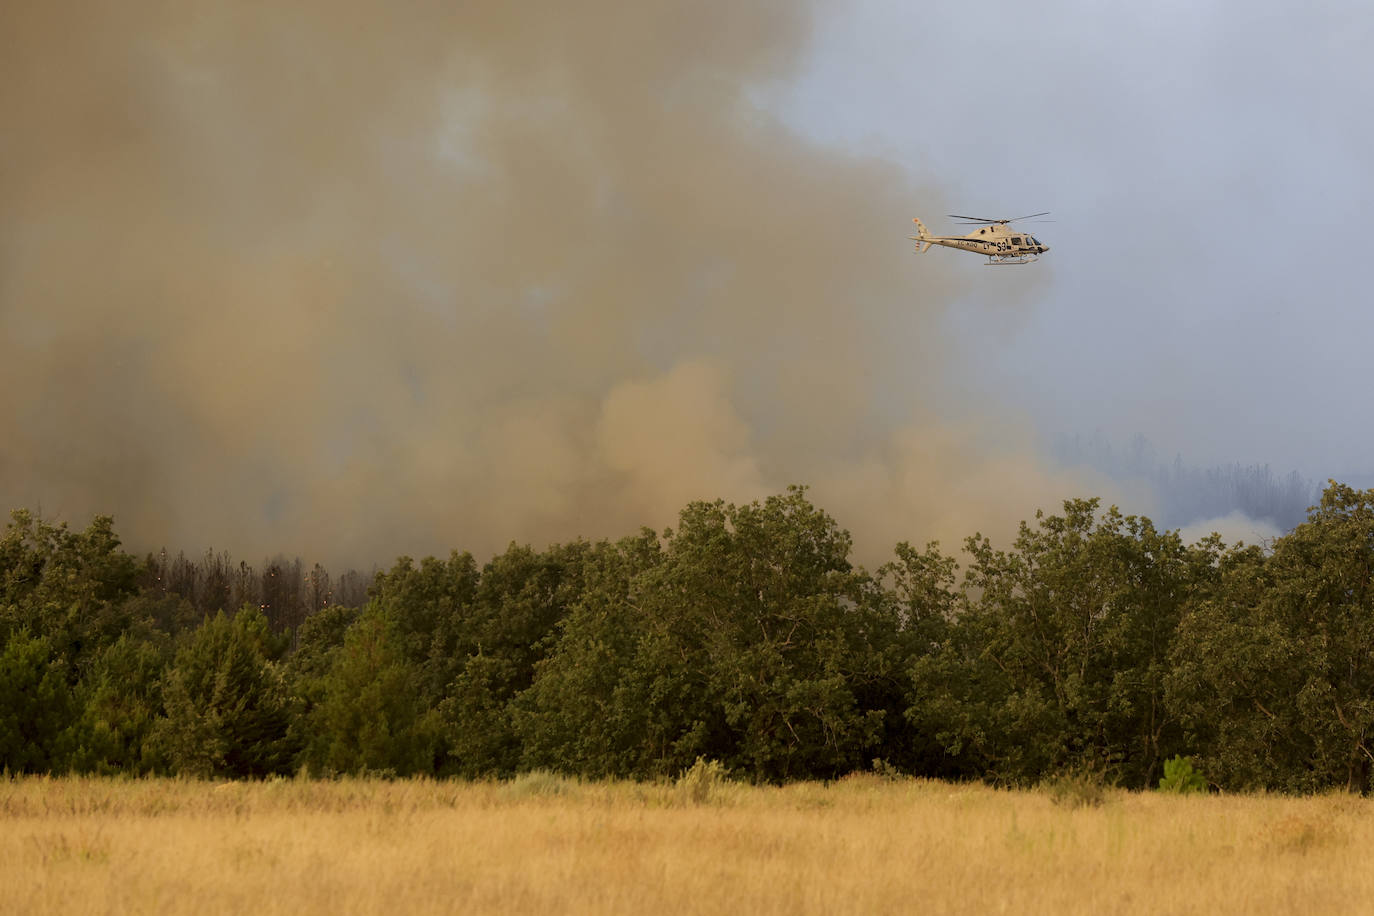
[[351, 280]]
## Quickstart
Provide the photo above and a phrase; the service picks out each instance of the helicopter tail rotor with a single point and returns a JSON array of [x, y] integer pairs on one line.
[[924, 235]]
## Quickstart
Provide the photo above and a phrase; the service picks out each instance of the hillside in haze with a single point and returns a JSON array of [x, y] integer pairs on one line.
[[1185, 495]]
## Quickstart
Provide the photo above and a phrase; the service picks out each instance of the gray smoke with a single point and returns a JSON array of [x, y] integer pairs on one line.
[[351, 280]]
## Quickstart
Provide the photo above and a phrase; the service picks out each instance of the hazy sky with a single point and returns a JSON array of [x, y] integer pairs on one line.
[[1209, 169], [347, 282]]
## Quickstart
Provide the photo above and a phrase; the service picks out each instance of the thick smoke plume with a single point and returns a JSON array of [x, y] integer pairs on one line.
[[349, 280]]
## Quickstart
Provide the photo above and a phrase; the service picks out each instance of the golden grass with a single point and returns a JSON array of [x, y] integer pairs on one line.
[[541, 844]]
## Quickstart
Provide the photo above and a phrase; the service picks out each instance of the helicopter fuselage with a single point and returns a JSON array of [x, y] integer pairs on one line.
[[1001, 244]]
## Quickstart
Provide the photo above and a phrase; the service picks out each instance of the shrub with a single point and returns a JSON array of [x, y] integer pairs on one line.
[[1181, 778], [885, 770], [1079, 788], [538, 783], [702, 782]]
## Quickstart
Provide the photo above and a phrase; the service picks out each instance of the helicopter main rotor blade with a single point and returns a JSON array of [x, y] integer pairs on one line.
[[1002, 222]]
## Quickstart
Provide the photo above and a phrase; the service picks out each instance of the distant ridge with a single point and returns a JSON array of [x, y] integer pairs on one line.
[[1186, 494]]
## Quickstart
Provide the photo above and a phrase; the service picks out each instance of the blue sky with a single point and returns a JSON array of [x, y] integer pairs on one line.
[[1208, 165]]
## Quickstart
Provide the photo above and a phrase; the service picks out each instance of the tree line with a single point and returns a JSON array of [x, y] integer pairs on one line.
[[1186, 493], [1093, 643], [284, 589]]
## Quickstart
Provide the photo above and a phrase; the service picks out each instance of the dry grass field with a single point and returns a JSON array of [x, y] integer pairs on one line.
[[541, 844]]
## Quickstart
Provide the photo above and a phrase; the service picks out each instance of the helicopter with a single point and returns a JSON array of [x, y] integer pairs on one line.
[[1001, 244]]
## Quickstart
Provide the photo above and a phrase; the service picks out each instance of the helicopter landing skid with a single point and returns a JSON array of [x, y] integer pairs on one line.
[[997, 260]]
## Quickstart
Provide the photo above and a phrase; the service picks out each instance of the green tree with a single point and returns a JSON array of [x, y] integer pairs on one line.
[[317, 639], [751, 640], [64, 586], [1058, 658], [36, 708], [424, 602], [475, 636], [479, 735], [508, 628], [919, 587], [224, 701], [579, 714], [1274, 673], [119, 701], [371, 716], [317, 643]]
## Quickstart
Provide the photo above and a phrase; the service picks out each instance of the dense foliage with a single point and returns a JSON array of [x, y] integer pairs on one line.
[[1093, 643]]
